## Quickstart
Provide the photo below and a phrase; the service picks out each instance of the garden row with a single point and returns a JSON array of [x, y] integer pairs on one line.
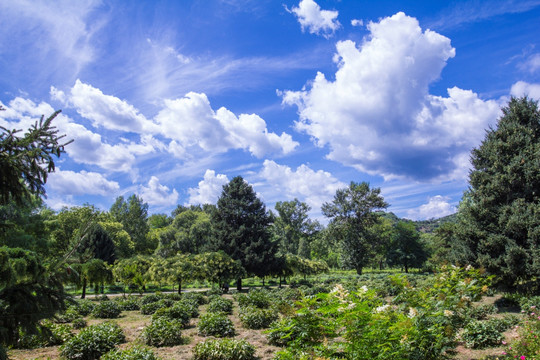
[[367, 317]]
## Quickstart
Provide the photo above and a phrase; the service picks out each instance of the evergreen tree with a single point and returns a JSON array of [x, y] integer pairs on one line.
[[499, 227], [240, 225]]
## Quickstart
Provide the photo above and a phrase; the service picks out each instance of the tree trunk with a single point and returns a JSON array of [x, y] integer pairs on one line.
[[179, 287], [239, 284], [263, 281], [280, 282], [406, 269], [83, 289], [359, 270]]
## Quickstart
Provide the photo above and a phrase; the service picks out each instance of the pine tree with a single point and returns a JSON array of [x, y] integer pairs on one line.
[[499, 225], [241, 228]]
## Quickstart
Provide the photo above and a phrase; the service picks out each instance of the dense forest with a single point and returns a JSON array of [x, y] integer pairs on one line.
[[497, 228]]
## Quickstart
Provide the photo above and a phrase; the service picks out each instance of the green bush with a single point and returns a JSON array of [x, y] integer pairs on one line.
[[527, 344], [68, 316], [481, 334], [163, 331], [177, 312], [151, 298], [150, 308], [256, 298], [49, 334], [78, 323], [216, 324], [85, 306], [255, 318], [93, 341], [190, 304], [133, 353], [481, 312], [128, 304], [224, 349], [199, 297], [219, 304], [106, 310]]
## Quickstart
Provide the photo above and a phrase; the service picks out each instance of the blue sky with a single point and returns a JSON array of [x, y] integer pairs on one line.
[[172, 99]]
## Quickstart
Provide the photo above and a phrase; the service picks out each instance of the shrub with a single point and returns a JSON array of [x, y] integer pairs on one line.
[[78, 323], [216, 324], [150, 308], [481, 334], [199, 297], [85, 307], [527, 344], [67, 316], [133, 353], [128, 304], [219, 304], [49, 334], [151, 298], [177, 312], [481, 312], [163, 331], [106, 310], [224, 349], [255, 318], [257, 298], [191, 305], [93, 341]]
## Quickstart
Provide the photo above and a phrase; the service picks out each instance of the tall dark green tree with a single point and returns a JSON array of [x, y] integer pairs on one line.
[[133, 215], [406, 249], [499, 227], [352, 213], [241, 230]]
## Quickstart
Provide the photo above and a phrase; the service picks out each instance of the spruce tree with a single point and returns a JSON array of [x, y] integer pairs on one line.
[[500, 215], [240, 225]]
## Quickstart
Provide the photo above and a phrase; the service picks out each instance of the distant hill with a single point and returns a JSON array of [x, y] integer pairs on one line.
[[425, 226]]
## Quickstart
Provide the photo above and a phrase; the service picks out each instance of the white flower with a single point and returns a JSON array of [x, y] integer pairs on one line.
[[448, 313], [469, 267], [412, 312], [364, 288], [382, 308]]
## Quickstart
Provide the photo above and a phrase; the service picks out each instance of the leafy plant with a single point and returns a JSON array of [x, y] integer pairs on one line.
[[93, 341], [128, 304], [215, 324], [527, 344], [106, 310], [163, 331], [78, 323], [49, 334], [257, 298], [481, 334], [150, 308], [220, 304], [133, 353], [85, 306], [178, 312], [255, 318], [224, 349]]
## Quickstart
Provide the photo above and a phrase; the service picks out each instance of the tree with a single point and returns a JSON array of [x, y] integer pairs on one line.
[[133, 272], [26, 161], [219, 268], [293, 228], [352, 213], [406, 249], [240, 225], [177, 269], [499, 217], [133, 215]]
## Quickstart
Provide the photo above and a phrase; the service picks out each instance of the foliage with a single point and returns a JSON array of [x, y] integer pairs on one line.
[[78, 323], [124, 246], [481, 334], [188, 233], [224, 349], [352, 213], [25, 162], [178, 311], [93, 341], [106, 310], [163, 331], [176, 269], [219, 304], [219, 268], [259, 298], [256, 318], [132, 272], [133, 353], [29, 292], [133, 214], [151, 308], [499, 223], [84, 306], [241, 228], [215, 324], [406, 250], [128, 303], [49, 334], [527, 344]]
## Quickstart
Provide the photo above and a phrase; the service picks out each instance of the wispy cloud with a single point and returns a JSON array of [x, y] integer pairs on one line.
[[473, 11]]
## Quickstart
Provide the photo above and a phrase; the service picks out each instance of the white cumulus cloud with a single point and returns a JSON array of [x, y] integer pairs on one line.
[[378, 116], [436, 207], [314, 19], [66, 182], [522, 88], [304, 183], [156, 194], [209, 188]]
